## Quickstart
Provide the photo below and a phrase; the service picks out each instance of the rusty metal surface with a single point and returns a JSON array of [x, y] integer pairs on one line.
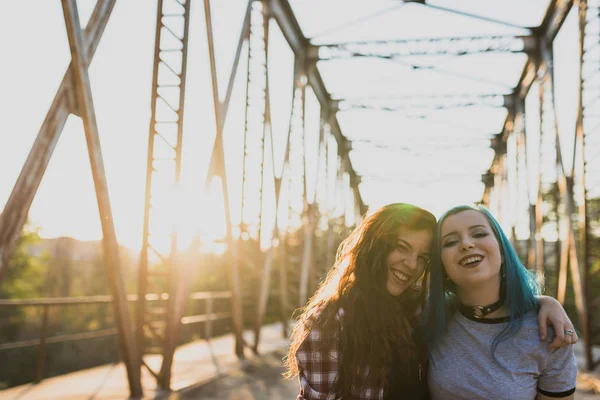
[[85, 103], [217, 168], [17, 207]]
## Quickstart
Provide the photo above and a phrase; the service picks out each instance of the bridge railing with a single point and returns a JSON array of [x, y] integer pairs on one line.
[[207, 317]]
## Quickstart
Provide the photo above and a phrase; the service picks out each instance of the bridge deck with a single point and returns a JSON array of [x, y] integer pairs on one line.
[[195, 363], [195, 369]]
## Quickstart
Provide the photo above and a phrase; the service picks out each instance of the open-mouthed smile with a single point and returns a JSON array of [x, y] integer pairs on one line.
[[401, 276], [471, 261]]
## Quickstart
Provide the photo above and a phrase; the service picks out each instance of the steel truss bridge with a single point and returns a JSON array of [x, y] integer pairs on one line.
[[289, 253]]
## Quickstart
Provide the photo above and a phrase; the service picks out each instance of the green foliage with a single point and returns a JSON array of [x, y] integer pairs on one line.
[[24, 278], [54, 272], [25, 274]]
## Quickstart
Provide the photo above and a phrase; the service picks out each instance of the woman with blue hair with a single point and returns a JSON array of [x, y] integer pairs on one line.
[[482, 318]]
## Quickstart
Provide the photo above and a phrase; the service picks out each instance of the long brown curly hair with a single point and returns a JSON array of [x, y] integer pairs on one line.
[[375, 324]]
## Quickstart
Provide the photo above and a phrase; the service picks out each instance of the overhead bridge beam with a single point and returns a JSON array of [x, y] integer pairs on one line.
[[428, 102], [448, 46], [281, 11]]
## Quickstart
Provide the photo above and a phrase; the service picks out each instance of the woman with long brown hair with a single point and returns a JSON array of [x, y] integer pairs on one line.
[[359, 336]]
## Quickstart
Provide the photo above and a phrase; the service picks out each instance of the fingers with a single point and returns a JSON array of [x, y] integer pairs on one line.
[[570, 335], [543, 328], [574, 337], [562, 339], [559, 336]]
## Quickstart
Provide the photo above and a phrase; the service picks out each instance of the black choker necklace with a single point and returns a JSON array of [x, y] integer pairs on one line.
[[479, 312]]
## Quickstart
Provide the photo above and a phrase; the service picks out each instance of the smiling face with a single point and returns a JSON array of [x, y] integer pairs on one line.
[[407, 262], [470, 251]]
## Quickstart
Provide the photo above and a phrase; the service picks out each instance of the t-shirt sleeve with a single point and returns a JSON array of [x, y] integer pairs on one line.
[[558, 379]]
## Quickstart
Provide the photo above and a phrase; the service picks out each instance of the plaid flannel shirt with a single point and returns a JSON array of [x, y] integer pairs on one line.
[[319, 371]]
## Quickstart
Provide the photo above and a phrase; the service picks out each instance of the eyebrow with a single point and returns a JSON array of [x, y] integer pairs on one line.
[[407, 244], [470, 228], [400, 240]]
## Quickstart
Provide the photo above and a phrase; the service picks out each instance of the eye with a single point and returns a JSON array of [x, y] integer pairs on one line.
[[401, 247], [480, 234], [449, 243], [424, 260]]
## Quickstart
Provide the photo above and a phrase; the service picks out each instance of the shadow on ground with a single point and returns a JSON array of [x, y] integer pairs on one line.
[[260, 379]]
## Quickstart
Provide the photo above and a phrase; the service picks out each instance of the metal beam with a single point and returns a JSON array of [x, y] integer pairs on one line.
[[285, 18], [450, 46], [475, 16], [439, 102], [178, 279], [217, 168], [539, 241], [110, 246], [283, 14], [17, 207], [525, 80], [555, 16], [584, 223], [265, 282]]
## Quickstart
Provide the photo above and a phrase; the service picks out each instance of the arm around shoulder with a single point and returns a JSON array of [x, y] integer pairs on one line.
[[552, 313]]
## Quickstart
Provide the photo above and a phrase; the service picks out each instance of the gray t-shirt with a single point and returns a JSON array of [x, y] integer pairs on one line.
[[462, 366]]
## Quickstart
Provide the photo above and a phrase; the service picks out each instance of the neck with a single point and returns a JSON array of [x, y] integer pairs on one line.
[[483, 295]]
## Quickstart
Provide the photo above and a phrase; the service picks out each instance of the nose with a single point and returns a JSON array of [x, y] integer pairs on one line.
[[466, 244], [411, 261]]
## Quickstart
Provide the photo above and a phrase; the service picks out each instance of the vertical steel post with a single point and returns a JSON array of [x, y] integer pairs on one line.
[[307, 209], [41, 366], [539, 217], [583, 214], [217, 168], [265, 282], [109, 241], [282, 238], [143, 263], [178, 284], [167, 130], [209, 321], [565, 184]]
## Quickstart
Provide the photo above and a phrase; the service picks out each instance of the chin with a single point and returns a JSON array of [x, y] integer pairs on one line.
[[475, 280], [396, 291]]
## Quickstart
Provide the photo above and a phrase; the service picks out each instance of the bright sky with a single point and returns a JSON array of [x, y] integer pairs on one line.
[[434, 162]]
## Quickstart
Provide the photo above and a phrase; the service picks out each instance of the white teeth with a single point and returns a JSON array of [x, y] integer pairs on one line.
[[400, 275], [471, 260]]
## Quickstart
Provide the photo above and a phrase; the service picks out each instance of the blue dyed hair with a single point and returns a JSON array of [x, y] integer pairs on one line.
[[521, 285]]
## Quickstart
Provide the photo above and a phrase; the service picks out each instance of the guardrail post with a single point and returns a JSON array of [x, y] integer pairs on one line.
[[209, 321], [42, 354]]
